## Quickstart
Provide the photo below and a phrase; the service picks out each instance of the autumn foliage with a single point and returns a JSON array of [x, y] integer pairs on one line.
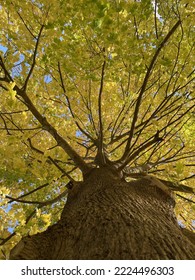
[[86, 84]]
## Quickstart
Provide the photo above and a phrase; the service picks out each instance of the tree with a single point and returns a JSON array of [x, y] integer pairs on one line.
[[97, 126]]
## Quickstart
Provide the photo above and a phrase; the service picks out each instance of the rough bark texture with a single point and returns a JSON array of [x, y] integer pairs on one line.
[[108, 218]]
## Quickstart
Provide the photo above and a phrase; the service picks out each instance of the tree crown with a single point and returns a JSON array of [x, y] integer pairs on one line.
[[89, 84]]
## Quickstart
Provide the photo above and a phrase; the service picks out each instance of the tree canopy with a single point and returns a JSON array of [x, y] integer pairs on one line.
[[92, 83]]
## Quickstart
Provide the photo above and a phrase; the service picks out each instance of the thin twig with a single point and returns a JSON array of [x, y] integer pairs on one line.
[[70, 107], [185, 198]]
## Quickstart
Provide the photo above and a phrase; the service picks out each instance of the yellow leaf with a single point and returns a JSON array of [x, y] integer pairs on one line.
[[13, 94], [46, 218]]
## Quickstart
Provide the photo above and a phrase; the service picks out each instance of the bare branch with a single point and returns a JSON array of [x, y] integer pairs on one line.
[[5, 240], [141, 148], [50, 159], [14, 112], [188, 178], [22, 201], [40, 203], [177, 187], [7, 77], [100, 146], [35, 190], [47, 184], [155, 18], [185, 198], [5, 124], [70, 107], [148, 73], [29, 29], [89, 106], [34, 59]]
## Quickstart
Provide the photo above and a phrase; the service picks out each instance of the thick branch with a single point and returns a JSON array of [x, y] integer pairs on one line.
[[100, 148], [176, 187], [48, 127]]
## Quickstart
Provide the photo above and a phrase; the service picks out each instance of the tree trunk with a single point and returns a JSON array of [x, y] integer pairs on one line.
[[108, 218]]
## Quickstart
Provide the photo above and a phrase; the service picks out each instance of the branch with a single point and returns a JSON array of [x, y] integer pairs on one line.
[[148, 73], [4, 240], [167, 141], [188, 178], [12, 199], [46, 184], [50, 158], [176, 187], [34, 59], [34, 211], [141, 148], [9, 117], [114, 131], [185, 198], [100, 148], [89, 107], [18, 129], [155, 18], [14, 112], [40, 203], [7, 77], [37, 189], [70, 107], [5, 124], [118, 123], [48, 127], [26, 25]]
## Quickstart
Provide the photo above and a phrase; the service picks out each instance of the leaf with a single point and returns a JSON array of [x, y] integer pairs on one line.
[[46, 218]]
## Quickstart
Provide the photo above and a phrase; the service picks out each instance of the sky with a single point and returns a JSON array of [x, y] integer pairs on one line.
[[3, 49]]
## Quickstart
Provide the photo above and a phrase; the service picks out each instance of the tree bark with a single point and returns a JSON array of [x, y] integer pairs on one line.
[[108, 218]]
